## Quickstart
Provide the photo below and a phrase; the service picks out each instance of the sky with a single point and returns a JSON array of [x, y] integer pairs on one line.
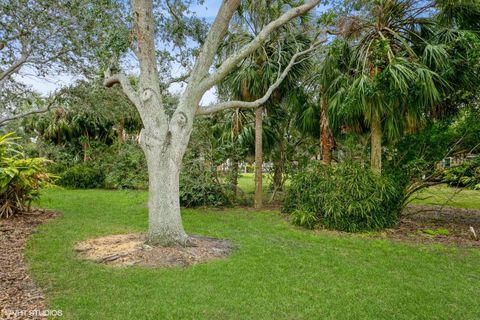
[[51, 82]]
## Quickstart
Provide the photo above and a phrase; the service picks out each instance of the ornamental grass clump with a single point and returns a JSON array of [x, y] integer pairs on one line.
[[346, 197]]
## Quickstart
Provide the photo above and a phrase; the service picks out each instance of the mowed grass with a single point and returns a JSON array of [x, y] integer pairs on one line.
[[246, 182], [449, 197], [276, 272]]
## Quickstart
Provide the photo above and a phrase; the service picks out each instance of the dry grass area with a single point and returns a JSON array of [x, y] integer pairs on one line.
[[129, 249], [438, 224]]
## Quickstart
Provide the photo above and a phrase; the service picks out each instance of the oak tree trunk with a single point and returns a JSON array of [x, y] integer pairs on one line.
[[376, 146], [258, 158], [165, 223]]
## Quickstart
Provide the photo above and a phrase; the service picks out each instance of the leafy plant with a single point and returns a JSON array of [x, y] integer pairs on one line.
[[82, 176], [21, 178], [467, 175], [199, 186], [304, 218], [345, 197], [125, 167]]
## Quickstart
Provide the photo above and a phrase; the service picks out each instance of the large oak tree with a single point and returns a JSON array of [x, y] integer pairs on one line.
[[164, 138]]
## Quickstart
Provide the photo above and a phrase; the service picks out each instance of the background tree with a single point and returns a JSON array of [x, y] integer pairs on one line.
[[258, 71], [391, 86], [44, 37], [88, 112]]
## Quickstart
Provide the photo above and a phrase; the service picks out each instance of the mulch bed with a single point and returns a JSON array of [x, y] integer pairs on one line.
[[20, 298], [436, 224], [129, 249]]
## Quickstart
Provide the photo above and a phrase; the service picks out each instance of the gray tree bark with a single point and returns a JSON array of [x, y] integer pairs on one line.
[[164, 139]]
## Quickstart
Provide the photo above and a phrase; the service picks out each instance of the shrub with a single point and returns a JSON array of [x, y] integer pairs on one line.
[[120, 166], [345, 197], [125, 167], [21, 178], [199, 186], [304, 218], [82, 176]]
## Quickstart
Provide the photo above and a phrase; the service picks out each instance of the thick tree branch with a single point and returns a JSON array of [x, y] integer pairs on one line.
[[254, 104], [214, 39], [126, 87], [232, 61]]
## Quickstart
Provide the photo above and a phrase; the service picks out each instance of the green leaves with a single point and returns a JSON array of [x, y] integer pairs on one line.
[[345, 197], [20, 178]]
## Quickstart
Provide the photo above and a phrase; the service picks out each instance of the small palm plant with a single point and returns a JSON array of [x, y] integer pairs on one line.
[[21, 178]]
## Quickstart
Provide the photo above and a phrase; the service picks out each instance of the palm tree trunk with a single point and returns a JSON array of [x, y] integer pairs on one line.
[[258, 158], [121, 132], [234, 175], [376, 146], [325, 136]]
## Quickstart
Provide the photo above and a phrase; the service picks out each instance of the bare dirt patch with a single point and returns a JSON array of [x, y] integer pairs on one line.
[[436, 224], [129, 250], [20, 298]]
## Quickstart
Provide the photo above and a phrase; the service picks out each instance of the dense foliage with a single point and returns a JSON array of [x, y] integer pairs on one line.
[[21, 178], [345, 197], [465, 175], [199, 186]]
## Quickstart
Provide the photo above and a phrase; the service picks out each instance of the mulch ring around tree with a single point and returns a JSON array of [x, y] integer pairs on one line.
[[20, 298], [436, 224], [129, 250]]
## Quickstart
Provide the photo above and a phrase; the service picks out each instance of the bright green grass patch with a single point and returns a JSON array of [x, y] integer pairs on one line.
[[449, 197], [277, 271], [246, 182]]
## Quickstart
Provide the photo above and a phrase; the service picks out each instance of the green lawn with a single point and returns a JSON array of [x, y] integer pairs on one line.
[[246, 182], [450, 197], [276, 272]]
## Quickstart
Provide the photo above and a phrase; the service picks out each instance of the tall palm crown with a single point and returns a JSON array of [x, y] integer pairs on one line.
[[256, 73], [391, 78]]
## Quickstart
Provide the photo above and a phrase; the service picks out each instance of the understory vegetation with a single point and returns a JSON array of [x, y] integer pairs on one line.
[[21, 178], [347, 197]]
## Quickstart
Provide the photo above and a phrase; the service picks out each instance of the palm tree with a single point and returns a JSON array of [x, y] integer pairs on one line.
[[233, 138], [330, 78], [390, 86], [88, 113], [258, 71]]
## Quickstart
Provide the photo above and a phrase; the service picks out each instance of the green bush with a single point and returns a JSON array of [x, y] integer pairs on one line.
[[82, 176], [304, 218], [200, 187], [21, 178], [467, 175], [125, 167], [344, 197]]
